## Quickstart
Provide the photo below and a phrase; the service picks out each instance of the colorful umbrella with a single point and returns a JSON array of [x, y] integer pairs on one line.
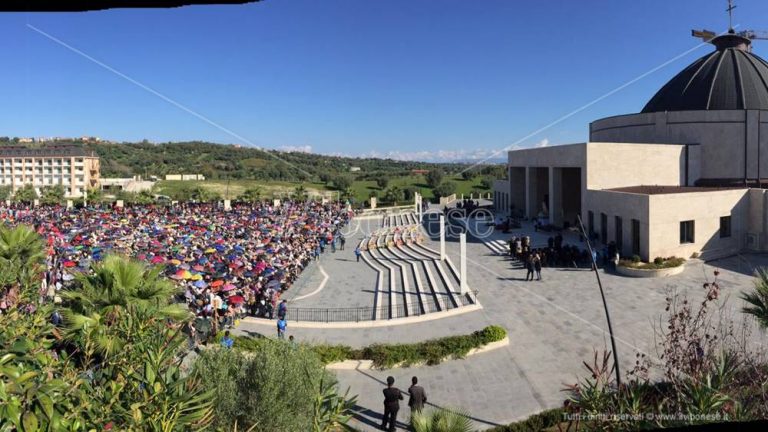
[[228, 287], [217, 283], [236, 299]]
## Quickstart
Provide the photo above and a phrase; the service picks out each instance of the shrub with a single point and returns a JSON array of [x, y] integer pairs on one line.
[[545, 420], [431, 352], [636, 258], [658, 260], [274, 387], [695, 255], [334, 353], [493, 333]]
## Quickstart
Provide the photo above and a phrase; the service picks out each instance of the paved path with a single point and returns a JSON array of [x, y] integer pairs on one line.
[[553, 325]]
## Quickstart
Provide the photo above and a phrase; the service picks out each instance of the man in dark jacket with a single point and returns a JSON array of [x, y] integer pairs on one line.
[[392, 398], [418, 396]]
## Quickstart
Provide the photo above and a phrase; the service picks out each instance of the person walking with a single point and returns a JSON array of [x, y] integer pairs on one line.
[[392, 398], [537, 266], [358, 252], [342, 241], [418, 397], [282, 325]]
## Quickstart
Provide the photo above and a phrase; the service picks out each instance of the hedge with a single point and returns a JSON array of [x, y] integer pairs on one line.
[[543, 421], [657, 263], [384, 356]]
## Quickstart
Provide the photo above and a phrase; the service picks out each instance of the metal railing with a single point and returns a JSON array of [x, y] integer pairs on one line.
[[385, 312]]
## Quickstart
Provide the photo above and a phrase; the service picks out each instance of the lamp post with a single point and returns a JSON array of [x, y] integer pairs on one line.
[[605, 303]]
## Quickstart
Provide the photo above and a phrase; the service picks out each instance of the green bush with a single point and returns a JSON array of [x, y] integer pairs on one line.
[[658, 263], [383, 356], [333, 353], [545, 420], [273, 387], [494, 333], [636, 258]]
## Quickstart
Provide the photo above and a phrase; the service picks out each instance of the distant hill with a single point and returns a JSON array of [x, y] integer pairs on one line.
[[218, 161]]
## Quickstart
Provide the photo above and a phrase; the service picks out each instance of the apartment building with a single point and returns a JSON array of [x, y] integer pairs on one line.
[[59, 164]]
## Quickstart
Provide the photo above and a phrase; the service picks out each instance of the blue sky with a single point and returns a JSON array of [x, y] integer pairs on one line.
[[414, 79]]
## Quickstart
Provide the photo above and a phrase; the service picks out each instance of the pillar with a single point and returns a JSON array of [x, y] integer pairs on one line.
[[227, 205], [442, 237], [70, 204], [463, 263], [555, 196], [416, 202], [528, 193]]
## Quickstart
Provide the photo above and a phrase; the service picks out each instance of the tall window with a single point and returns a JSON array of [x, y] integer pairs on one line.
[[725, 226], [635, 237], [618, 235], [590, 223], [687, 232]]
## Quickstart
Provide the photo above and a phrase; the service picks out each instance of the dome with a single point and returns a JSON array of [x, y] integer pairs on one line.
[[730, 78]]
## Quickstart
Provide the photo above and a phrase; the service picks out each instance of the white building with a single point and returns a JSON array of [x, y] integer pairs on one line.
[[67, 165], [684, 175]]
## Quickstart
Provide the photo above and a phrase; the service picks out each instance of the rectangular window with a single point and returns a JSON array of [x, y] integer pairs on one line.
[[725, 226], [687, 232], [635, 237], [618, 235], [590, 223]]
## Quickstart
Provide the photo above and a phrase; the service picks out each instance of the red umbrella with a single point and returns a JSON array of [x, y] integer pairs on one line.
[[236, 299], [69, 264], [217, 283]]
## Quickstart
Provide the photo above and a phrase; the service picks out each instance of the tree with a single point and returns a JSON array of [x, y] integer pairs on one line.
[[252, 194], [441, 420], [325, 177], [382, 182], [758, 299], [117, 288], [468, 174], [486, 183], [445, 188], [393, 194], [275, 388], [52, 195], [342, 182], [434, 177], [299, 193], [5, 192], [26, 194], [94, 195]]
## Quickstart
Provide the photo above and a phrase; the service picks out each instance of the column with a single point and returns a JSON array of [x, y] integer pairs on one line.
[[442, 237], [555, 196], [463, 263], [528, 193]]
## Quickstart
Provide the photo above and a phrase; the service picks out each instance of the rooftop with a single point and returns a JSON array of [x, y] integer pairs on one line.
[[54, 150], [729, 78], [662, 190]]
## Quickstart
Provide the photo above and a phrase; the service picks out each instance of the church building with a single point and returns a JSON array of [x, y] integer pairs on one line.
[[685, 175]]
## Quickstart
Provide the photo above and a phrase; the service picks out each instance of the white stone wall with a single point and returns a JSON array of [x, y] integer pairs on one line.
[[666, 211], [615, 165]]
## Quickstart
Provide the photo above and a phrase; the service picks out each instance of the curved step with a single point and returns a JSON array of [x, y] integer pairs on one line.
[[378, 295], [404, 281], [392, 309]]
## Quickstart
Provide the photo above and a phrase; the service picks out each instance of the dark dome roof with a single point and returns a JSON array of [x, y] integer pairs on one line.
[[731, 78]]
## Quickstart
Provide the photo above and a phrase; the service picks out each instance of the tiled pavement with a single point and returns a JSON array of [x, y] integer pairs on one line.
[[553, 325]]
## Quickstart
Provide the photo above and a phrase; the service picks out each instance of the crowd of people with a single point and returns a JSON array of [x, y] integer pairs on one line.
[[556, 254], [228, 263]]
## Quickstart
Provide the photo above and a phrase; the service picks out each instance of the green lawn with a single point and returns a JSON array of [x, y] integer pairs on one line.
[[362, 189], [237, 187]]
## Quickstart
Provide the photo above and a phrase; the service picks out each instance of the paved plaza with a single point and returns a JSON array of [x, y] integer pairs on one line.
[[553, 325]]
